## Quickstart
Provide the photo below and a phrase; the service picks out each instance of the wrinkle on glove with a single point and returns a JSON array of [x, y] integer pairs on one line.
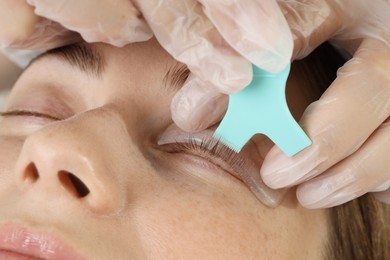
[[116, 22], [23, 29]]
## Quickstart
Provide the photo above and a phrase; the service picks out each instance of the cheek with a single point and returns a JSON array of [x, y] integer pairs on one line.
[[199, 222]]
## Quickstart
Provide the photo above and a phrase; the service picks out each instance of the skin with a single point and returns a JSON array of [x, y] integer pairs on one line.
[[144, 201]]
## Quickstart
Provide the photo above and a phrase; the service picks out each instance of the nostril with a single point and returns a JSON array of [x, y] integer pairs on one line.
[[31, 173], [73, 184]]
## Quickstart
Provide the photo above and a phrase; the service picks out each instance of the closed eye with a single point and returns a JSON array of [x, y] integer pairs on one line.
[[28, 113], [211, 150]]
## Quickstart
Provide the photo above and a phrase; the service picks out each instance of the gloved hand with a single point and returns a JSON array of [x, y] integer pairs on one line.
[[22, 29], [197, 33], [350, 124]]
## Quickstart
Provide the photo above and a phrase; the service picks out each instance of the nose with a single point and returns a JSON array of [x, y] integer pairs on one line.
[[76, 160]]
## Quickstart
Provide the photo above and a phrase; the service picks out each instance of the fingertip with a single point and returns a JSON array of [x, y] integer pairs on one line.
[[305, 196], [181, 113], [314, 196], [383, 196], [273, 57], [272, 169], [226, 74], [197, 106]]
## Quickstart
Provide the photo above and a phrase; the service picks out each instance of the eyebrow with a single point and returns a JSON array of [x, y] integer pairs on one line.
[[91, 61], [81, 56], [175, 77]]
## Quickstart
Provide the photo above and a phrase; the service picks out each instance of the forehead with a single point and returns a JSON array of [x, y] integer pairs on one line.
[[144, 54]]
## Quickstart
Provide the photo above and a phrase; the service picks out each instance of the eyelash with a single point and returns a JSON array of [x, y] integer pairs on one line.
[[210, 149], [28, 113]]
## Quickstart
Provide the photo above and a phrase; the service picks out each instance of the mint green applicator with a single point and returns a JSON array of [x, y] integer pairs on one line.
[[261, 108]]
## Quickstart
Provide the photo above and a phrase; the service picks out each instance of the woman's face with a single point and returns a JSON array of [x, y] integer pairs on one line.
[[90, 160]]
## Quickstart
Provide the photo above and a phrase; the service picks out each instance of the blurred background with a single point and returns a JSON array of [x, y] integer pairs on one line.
[[9, 72]]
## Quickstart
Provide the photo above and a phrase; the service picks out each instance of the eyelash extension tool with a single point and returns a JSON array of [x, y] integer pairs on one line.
[[261, 108]]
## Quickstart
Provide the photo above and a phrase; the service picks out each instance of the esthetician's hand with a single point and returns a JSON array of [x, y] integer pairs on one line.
[[217, 40], [21, 28], [350, 124]]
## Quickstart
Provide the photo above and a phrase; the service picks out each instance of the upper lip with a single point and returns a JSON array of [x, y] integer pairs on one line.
[[20, 240]]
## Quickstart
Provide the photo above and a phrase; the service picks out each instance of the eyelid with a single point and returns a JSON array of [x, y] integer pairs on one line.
[[212, 150], [24, 122], [44, 100], [212, 147], [28, 113], [242, 168]]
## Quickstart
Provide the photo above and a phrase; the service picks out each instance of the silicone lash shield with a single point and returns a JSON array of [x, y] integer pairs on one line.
[[261, 108]]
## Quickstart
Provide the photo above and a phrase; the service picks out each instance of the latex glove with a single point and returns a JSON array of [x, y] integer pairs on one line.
[[349, 125], [21, 28], [26, 27], [217, 40]]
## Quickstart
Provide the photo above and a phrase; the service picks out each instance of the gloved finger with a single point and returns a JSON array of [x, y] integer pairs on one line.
[[210, 105], [312, 22], [46, 35], [17, 20], [362, 94], [188, 35], [21, 28], [362, 172], [255, 29], [383, 196], [115, 22]]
